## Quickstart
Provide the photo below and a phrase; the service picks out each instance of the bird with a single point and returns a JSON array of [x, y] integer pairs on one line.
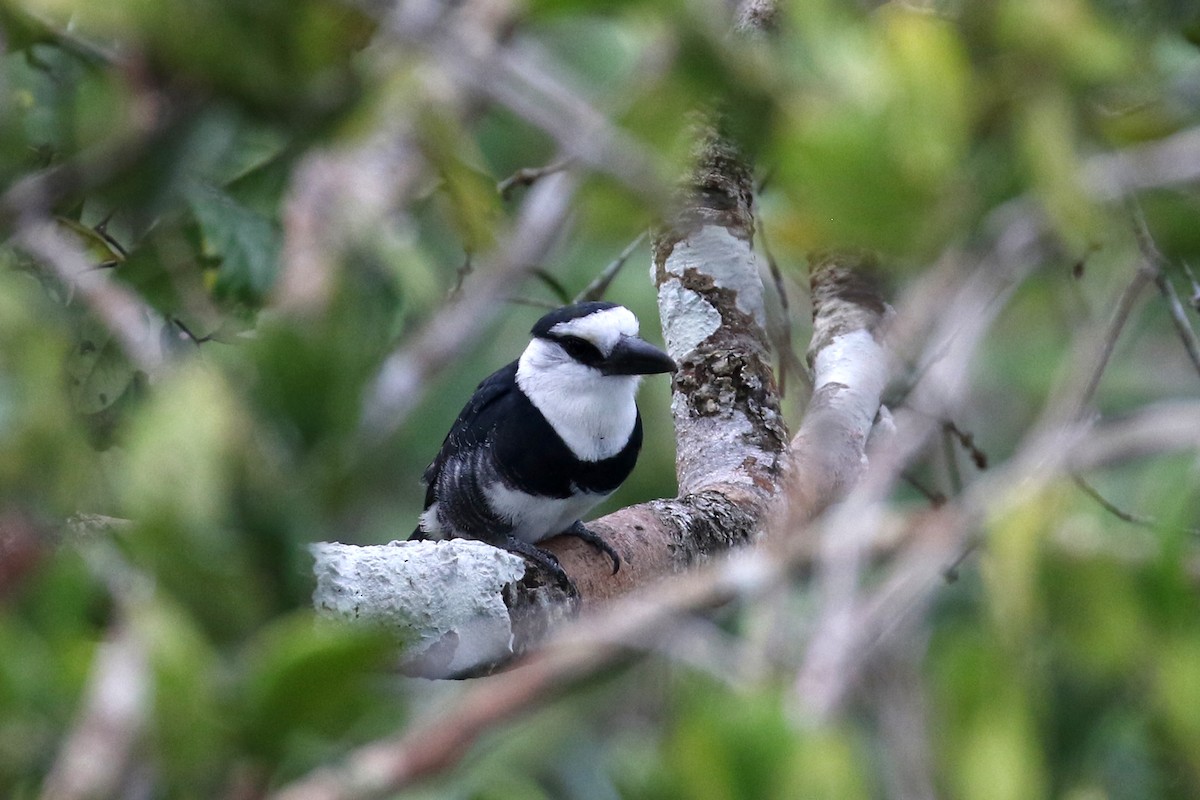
[[545, 438]]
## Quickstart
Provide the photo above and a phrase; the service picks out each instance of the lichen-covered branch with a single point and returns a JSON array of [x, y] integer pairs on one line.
[[455, 602], [849, 374]]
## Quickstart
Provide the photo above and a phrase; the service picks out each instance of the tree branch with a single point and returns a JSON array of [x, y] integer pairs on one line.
[[599, 285], [1157, 263], [850, 372], [137, 328], [96, 758], [606, 637], [397, 387]]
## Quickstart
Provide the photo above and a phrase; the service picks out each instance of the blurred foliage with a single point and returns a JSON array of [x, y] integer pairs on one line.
[[1065, 661]]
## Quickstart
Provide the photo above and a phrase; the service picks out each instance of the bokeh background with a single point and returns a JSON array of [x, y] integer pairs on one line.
[[166, 140]]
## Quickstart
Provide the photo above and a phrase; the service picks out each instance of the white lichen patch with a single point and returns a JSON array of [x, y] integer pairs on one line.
[[445, 593], [728, 260], [687, 318], [854, 360], [727, 439]]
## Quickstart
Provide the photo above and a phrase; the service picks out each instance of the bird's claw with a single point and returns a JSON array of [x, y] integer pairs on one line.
[[580, 531]]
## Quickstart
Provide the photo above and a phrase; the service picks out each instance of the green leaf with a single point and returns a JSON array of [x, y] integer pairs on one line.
[[179, 479], [309, 678], [190, 733], [98, 371], [246, 243]]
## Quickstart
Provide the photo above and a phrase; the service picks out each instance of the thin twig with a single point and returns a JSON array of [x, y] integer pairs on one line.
[[130, 321], [553, 284], [599, 285], [404, 376], [951, 571], [531, 302], [1119, 513], [789, 362], [460, 274], [950, 455], [935, 498], [527, 176], [1140, 520], [188, 334], [967, 441], [1158, 264], [1142, 275], [1194, 300]]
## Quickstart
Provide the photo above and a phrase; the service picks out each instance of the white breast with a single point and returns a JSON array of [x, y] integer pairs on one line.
[[593, 413], [536, 518]]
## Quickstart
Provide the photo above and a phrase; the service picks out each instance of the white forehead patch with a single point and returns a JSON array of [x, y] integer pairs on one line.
[[602, 328]]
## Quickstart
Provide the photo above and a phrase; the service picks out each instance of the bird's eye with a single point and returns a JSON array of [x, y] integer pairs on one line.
[[581, 350]]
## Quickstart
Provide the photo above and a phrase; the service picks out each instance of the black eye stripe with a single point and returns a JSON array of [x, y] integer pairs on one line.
[[581, 350]]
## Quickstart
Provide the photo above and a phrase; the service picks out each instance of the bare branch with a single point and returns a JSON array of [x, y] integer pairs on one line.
[[781, 338], [1157, 264], [450, 633], [338, 197], [960, 305], [606, 637], [532, 86], [527, 176], [1194, 300], [850, 370], [136, 327], [407, 371], [1170, 162], [596, 289], [96, 755], [1140, 520], [1142, 275]]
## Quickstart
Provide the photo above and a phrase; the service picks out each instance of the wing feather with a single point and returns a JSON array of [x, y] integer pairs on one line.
[[475, 423]]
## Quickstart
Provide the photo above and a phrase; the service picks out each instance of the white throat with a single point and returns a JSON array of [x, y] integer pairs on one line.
[[593, 414]]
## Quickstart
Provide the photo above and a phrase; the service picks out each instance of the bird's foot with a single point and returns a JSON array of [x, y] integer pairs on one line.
[[544, 559], [580, 531]]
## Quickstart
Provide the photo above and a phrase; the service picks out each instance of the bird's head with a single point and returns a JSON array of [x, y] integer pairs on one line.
[[601, 338]]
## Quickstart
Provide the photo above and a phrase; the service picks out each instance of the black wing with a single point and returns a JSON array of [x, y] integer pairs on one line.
[[465, 464], [474, 424]]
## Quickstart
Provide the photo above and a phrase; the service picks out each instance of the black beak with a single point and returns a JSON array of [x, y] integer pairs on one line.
[[634, 356]]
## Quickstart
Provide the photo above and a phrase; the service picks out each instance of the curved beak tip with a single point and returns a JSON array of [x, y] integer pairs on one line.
[[634, 356]]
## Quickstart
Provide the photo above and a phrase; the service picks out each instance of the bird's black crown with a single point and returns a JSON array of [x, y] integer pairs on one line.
[[567, 313]]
